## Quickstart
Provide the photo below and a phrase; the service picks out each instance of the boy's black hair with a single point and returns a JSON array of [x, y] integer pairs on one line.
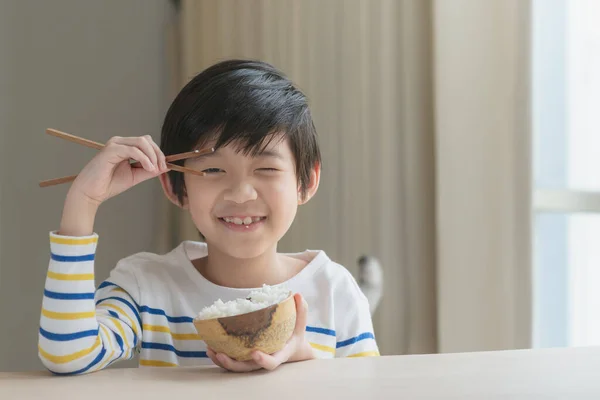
[[245, 102]]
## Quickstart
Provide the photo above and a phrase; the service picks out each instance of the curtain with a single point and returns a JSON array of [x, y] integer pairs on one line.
[[371, 70], [483, 158]]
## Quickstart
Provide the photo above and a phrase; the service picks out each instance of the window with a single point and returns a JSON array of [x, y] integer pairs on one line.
[[566, 126]]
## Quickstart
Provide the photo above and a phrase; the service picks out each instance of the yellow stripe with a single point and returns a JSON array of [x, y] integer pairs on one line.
[[176, 336], [69, 357], [61, 240], [112, 353], [69, 316], [366, 354], [118, 289], [156, 328], [118, 323], [322, 348], [70, 277], [185, 336], [156, 363], [120, 310], [105, 330]]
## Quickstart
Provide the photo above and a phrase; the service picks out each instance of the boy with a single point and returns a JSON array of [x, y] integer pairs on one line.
[[266, 162]]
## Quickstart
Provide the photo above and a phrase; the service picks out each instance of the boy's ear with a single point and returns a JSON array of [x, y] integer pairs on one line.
[[313, 185], [165, 182]]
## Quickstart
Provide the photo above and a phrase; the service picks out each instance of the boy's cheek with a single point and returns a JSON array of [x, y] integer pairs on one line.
[[280, 187]]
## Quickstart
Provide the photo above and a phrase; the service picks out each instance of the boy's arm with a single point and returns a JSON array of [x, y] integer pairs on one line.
[[83, 329], [354, 327]]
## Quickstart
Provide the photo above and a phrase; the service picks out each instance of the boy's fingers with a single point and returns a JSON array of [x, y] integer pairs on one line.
[[236, 366], [265, 361], [301, 314], [270, 362], [140, 175], [162, 162], [143, 144], [211, 354], [124, 152], [229, 364]]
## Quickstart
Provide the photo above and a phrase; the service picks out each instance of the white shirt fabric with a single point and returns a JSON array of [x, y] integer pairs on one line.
[[148, 303]]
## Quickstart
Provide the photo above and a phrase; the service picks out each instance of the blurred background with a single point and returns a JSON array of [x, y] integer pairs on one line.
[[461, 143]]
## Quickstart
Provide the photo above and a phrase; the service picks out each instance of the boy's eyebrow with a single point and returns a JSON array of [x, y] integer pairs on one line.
[[270, 154], [262, 154]]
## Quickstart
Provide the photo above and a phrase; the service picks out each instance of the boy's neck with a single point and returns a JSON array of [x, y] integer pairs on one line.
[[269, 268]]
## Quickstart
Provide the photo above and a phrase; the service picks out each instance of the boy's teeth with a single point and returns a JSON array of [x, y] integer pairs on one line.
[[239, 221]]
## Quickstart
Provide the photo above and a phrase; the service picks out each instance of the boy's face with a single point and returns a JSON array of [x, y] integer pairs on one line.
[[244, 205]]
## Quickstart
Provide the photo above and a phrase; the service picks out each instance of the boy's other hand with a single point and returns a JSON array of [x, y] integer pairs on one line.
[[296, 349]]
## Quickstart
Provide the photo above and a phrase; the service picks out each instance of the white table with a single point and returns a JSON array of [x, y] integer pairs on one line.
[[568, 374]]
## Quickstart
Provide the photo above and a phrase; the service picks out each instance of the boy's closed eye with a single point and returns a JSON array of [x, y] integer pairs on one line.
[[268, 169], [219, 170], [212, 170]]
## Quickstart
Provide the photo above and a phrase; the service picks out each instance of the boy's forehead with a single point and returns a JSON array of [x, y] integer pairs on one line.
[[274, 146]]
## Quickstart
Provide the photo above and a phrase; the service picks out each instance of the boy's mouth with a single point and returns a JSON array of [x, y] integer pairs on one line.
[[242, 221]]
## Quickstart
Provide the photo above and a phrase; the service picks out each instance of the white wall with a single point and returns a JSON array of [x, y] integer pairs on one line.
[[94, 69]]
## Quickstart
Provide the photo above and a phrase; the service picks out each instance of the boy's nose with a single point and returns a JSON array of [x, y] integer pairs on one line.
[[241, 193]]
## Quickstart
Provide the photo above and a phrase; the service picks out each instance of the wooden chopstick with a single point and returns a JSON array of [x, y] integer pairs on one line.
[[57, 181], [98, 146], [174, 157], [74, 139]]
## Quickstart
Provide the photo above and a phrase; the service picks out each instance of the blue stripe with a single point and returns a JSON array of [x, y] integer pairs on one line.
[[157, 311], [105, 284], [115, 315], [68, 296], [362, 336], [119, 342], [65, 337], [86, 257], [320, 330], [168, 347], [128, 304], [90, 365]]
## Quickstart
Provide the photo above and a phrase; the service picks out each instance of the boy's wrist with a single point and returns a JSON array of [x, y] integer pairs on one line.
[[304, 353], [78, 216]]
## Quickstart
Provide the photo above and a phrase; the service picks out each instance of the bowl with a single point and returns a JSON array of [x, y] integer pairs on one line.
[[237, 336]]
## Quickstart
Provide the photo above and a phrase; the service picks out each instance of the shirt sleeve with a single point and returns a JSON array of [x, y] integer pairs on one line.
[[354, 327], [84, 329]]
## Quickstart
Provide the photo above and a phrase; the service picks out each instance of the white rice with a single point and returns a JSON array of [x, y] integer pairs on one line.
[[257, 299]]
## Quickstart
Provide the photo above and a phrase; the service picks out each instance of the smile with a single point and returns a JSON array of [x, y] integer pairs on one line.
[[242, 222]]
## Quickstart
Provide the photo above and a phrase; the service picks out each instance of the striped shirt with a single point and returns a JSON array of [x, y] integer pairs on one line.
[[147, 305]]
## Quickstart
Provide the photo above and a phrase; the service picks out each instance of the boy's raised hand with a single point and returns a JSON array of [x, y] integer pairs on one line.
[[110, 173], [296, 349], [106, 175]]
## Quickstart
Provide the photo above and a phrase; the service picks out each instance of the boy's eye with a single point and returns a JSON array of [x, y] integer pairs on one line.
[[212, 170], [268, 169]]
